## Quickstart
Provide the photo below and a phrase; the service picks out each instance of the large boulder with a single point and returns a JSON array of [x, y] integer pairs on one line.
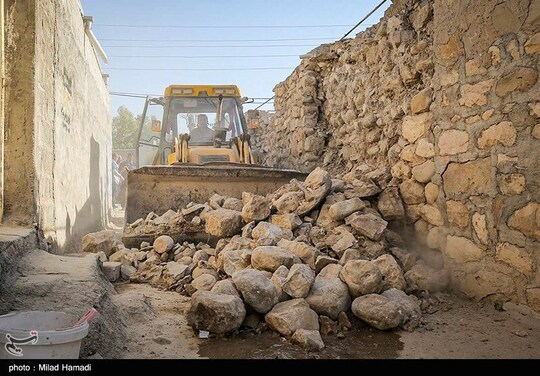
[[307, 253], [329, 296], [290, 221], [270, 258], [270, 232], [378, 311], [368, 225], [362, 277], [216, 313], [392, 273], [288, 202], [225, 286], [256, 208], [163, 243], [257, 289], [299, 281], [204, 282], [287, 317], [341, 239], [278, 279], [173, 272], [102, 241], [410, 307], [316, 187], [223, 222]]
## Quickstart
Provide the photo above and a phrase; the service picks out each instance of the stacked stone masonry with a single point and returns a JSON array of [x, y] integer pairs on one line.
[[446, 94]]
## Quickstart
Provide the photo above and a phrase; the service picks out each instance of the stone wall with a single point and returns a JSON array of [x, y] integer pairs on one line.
[[446, 95], [59, 171]]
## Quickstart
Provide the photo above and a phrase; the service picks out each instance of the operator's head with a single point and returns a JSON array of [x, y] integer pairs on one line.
[[130, 157], [202, 120]]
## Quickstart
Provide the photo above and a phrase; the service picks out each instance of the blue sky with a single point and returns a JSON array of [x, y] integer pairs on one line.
[[149, 46]]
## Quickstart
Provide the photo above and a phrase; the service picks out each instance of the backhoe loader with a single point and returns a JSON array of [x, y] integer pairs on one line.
[[192, 143]]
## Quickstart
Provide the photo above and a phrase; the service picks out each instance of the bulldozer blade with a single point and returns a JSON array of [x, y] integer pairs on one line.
[[160, 188]]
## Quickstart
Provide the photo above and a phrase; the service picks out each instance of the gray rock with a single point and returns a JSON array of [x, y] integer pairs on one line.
[[236, 242], [316, 187], [102, 257], [322, 261], [378, 311], [410, 307], [102, 241], [273, 233], [204, 282], [329, 296], [424, 277], [257, 289], [223, 222], [362, 277], [216, 201], [270, 258], [305, 252], [368, 225], [361, 188], [216, 313], [163, 244], [390, 205], [287, 317], [256, 208], [111, 270], [405, 258], [225, 286], [126, 271], [299, 281], [392, 273], [200, 256], [248, 229], [342, 209], [278, 279], [232, 203], [309, 340]]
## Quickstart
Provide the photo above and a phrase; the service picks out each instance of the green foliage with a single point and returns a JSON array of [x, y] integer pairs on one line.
[[124, 129]]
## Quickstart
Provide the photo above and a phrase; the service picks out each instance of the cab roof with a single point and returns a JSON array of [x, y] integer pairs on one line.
[[202, 91]]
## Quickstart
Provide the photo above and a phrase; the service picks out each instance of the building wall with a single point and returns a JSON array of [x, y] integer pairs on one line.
[[69, 120], [446, 95]]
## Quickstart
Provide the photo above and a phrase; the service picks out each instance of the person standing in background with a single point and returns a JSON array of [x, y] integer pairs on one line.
[[117, 179]]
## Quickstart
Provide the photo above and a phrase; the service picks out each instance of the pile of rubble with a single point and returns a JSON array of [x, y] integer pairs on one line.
[[299, 260]]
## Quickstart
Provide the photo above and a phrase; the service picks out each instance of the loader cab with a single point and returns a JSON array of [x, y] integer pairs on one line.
[[211, 116]]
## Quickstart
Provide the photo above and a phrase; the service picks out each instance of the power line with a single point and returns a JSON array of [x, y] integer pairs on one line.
[[212, 40], [200, 69], [221, 26], [269, 99], [198, 46], [363, 19], [143, 95], [200, 57]]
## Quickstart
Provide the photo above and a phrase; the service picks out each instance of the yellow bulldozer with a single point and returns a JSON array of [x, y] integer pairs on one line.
[[192, 143]]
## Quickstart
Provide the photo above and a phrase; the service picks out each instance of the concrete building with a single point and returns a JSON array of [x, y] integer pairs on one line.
[[56, 126]]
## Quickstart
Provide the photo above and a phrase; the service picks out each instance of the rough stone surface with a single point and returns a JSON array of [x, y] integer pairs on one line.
[[516, 257], [257, 289], [102, 241], [362, 277], [424, 277], [265, 230], [390, 205], [270, 258], [287, 317], [223, 222], [299, 281], [369, 225], [410, 307], [163, 244], [225, 286], [317, 186], [391, 272], [423, 173], [342, 209], [471, 178], [378, 311], [416, 126], [503, 133], [215, 312], [307, 253], [527, 220], [309, 340], [289, 221], [256, 208], [453, 142], [519, 79], [204, 282], [111, 270], [412, 192]]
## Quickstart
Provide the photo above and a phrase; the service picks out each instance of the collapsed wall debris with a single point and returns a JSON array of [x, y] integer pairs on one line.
[[312, 252]]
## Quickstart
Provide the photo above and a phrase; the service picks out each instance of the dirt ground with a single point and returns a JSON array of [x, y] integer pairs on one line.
[[456, 328]]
